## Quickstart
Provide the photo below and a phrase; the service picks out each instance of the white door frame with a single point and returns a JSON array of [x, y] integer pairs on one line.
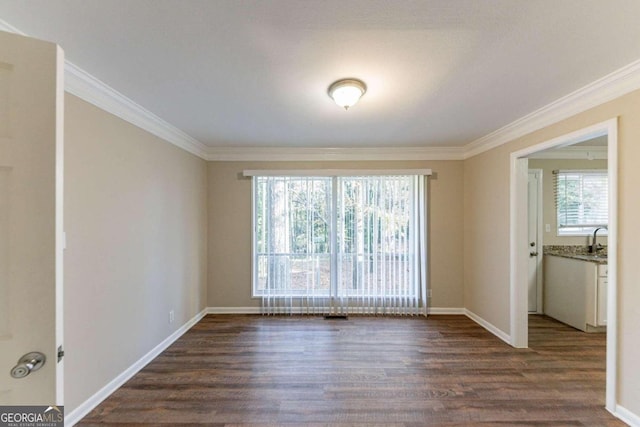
[[539, 241], [518, 242]]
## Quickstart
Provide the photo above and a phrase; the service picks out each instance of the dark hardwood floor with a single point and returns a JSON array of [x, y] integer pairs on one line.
[[374, 371]]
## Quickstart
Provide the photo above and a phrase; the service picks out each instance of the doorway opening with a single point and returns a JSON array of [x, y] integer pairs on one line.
[[535, 219], [520, 244]]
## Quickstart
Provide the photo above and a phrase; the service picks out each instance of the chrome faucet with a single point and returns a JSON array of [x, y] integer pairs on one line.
[[594, 247]]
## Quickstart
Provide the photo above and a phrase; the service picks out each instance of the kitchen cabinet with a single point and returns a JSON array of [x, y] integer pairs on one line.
[[603, 283], [575, 292]]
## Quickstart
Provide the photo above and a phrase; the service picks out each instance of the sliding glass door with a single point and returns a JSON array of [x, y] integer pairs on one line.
[[376, 241], [339, 244]]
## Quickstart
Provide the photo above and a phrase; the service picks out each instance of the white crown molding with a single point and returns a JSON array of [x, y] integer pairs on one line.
[[80, 83], [574, 153], [607, 88], [83, 85], [5, 26], [325, 154]]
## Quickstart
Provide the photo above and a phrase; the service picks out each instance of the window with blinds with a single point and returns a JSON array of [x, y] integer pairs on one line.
[[582, 201], [355, 242]]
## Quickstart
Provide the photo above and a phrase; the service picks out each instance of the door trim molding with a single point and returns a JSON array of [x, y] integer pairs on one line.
[[59, 223], [518, 265]]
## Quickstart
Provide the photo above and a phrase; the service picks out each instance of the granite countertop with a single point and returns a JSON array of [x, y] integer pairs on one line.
[[576, 252]]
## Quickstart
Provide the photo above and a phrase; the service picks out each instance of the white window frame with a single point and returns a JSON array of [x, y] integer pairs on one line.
[[334, 173], [581, 229]]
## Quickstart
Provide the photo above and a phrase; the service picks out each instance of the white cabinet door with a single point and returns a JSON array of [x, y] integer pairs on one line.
[[570, 291], [603, 284]]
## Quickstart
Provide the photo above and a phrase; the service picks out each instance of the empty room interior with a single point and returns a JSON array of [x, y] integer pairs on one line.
[[320, 213]]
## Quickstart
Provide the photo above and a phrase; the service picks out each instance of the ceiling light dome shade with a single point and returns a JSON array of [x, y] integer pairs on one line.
[[347, 92]]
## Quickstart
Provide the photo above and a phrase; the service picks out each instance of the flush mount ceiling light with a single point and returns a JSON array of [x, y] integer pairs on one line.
[[347, 92]]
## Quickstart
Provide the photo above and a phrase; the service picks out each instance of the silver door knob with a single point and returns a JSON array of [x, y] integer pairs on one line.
[[28, 363]]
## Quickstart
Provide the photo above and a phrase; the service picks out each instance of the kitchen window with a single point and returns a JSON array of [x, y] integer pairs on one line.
[[582, 201]]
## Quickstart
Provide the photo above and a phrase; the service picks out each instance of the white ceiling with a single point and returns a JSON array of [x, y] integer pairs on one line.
[[254, 73], [599, 141], [590, 149]]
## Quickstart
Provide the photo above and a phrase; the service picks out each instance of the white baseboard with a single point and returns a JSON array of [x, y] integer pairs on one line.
[[445, 310], [297, 310], [88, 405], [627, 416], [233, 310], [488, 326]]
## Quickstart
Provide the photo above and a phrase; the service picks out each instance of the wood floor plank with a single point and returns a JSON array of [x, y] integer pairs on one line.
[[239, 371]]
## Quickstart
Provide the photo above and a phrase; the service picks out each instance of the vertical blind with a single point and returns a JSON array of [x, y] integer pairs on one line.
[[340, 244], [582, 200]]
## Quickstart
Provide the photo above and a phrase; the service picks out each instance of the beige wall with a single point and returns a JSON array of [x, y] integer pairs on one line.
[[135, 219], [548, 200], [230, 228], [486, 231]]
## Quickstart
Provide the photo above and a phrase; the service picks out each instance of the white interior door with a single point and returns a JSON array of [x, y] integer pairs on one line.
[[535, 245], [31, 117]]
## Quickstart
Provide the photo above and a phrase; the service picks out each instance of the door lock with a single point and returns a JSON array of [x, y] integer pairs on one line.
[[533, 253], [28, 363]]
